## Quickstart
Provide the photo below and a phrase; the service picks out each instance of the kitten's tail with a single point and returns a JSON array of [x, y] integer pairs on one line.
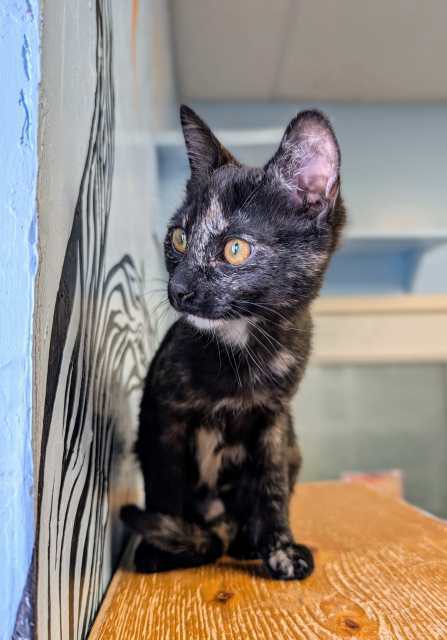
[[174, 535]]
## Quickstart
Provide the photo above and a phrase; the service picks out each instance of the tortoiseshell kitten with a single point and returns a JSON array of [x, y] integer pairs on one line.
[[246, 253]]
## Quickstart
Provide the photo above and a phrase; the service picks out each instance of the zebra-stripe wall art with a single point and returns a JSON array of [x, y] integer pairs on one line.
[[99, 346]]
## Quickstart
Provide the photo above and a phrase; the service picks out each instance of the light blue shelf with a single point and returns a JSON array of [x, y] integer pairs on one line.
[[377, 263]]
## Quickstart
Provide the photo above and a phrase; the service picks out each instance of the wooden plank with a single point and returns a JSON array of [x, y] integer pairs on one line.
[[383, 329], [380, 304], [381, 572], [393, 337]]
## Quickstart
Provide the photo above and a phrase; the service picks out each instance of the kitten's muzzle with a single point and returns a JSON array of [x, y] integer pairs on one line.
[[180, 294]]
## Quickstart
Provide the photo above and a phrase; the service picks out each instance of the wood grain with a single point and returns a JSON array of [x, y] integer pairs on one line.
[[415, 303], [381, 572], [407, 328]]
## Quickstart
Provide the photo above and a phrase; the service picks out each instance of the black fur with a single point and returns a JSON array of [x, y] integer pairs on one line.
[[216, 442]]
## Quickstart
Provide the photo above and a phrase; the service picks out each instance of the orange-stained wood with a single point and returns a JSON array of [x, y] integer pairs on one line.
[[381, 572]]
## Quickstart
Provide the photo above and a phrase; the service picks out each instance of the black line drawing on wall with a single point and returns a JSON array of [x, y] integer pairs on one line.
[[97, 359]]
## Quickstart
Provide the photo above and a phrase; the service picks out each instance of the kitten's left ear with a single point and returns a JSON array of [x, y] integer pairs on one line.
[[307, 163], [205, 152]]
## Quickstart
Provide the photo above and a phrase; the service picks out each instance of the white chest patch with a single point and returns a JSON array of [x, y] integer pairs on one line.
[[212, 456], [232, 332]]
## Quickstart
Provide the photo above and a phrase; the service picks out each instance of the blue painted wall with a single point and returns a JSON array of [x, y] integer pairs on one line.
[[19, 73]]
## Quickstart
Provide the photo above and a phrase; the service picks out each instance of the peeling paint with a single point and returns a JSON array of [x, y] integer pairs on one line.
[[25, 135], [19, 70], [26, 57]]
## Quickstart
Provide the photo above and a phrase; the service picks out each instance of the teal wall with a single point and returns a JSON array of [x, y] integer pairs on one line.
[[19, 74]]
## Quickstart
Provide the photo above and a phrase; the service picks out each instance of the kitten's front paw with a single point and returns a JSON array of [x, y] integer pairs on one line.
[[290, 562]]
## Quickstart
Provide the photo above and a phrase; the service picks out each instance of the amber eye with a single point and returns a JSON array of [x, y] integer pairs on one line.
[[237, 251], [179, 239]]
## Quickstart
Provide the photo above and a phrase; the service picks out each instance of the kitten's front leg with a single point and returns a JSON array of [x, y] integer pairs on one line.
[[162, 452], [284, 558]]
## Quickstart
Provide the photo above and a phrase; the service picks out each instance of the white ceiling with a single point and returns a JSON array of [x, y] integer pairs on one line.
[[349, 50]]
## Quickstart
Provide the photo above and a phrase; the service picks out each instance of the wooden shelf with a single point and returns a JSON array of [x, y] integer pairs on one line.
[[377, 329], [380, 573], [342, 305]]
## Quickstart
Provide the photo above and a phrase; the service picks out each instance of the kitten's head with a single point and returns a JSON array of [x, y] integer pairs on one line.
[[254, 241]]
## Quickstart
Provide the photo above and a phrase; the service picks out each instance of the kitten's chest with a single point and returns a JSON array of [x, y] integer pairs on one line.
[[214, 455], [219, 465], [235, 380]]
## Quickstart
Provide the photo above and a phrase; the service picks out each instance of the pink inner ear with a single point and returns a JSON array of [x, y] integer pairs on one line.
[[308, 164], [316, 177]]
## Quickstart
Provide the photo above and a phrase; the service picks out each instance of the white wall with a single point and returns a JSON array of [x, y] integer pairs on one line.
[[94, 330]]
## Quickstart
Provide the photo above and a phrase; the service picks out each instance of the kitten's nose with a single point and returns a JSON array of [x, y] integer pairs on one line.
[[181, 292]]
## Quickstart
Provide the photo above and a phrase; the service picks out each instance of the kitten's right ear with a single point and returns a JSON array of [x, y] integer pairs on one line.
[[205, 152], [307, 163]]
